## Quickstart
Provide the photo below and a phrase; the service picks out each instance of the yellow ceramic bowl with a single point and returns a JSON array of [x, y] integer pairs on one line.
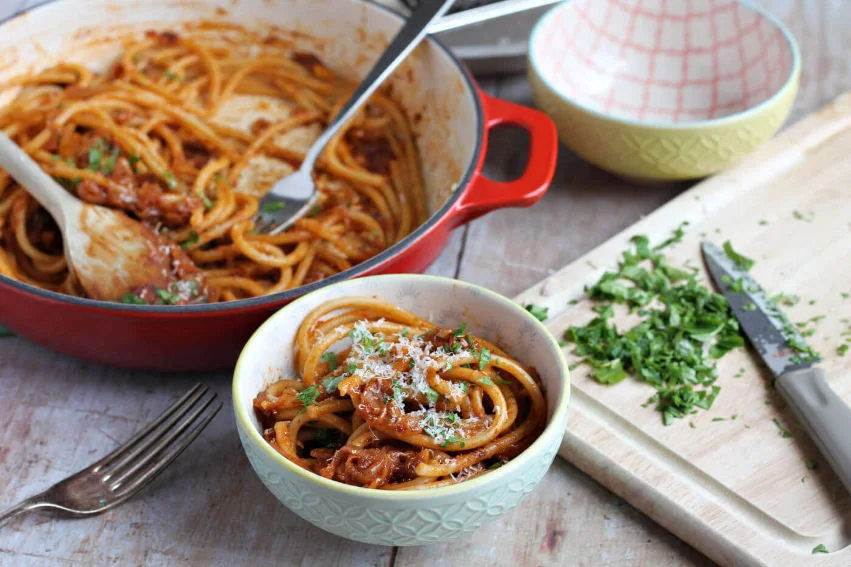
[[662, 90]]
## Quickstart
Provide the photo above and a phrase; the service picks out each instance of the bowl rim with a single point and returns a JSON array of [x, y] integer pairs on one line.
[[253, 303], [523, 460], [790, 82]]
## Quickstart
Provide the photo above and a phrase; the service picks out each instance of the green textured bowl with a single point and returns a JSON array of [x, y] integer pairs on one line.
[[412, 517], [663, 90]]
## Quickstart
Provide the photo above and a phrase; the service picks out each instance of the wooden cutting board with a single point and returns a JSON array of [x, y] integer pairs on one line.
[[735, 489]]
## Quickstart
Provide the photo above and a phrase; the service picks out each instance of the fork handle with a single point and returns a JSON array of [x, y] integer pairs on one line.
[[406, 40], [20, 508]]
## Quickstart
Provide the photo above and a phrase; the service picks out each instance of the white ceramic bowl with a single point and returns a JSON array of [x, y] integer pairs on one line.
[[663, 89], [412, 517]]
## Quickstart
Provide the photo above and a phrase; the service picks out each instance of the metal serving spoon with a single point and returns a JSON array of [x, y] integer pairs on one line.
[[294, 195], [109, 253]]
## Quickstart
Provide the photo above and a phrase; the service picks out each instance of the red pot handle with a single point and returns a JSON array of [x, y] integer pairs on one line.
[[484, 195]]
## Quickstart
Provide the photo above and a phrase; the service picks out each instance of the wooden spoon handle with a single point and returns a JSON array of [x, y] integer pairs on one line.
[[39, 184]]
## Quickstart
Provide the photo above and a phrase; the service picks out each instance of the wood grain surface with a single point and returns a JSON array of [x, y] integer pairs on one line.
[[58, 414]]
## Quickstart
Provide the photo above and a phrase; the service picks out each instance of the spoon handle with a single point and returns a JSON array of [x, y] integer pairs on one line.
[[39, 184], [406, 40]]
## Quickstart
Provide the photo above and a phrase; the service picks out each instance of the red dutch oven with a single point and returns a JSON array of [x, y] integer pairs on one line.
[[452, 135]]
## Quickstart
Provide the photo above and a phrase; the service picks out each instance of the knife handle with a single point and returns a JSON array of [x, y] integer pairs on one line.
[[823, 414]]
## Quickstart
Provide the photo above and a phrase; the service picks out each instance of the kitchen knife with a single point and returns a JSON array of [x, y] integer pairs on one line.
[[826, 418]]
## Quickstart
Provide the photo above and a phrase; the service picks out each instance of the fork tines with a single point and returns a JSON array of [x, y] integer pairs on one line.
[[148, 452]]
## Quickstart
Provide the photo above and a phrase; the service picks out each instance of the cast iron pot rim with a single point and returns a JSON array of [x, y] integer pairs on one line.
[[276, 298]]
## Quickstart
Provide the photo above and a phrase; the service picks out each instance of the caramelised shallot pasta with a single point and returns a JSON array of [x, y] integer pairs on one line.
[[185, 132], [385, 399]]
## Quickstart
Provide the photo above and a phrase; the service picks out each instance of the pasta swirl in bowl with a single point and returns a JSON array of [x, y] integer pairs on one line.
[[401, 409], [403, 404]]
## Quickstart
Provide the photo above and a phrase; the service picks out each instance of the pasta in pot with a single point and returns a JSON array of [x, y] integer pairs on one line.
[[385, 399], [185, 133]]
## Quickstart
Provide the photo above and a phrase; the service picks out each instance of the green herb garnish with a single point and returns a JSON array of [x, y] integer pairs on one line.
[[811, 464], [331, 358], [459, 332], [432, 396], [308, 396], [484, 358], [132, 299], [332, 382], [820, 548], [274, 206], [538, 312], [453, 439], [785, 433], [742, 262], [167, 296], [191, 240], [680, 319]]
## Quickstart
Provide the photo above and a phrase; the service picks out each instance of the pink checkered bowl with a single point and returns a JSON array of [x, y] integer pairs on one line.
[[663, 90]]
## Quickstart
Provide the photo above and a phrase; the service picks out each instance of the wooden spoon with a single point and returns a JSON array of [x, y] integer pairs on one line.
[[110, 254]]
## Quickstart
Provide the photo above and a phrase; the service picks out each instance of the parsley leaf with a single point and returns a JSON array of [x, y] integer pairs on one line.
[[820, 548], [742, 262], [331, 358], [459, 332], [132, 299], [167, 296], [308, 396], [192, 239], [486, 381], [538, 312], [484, 358], [811, 464], [331, 383], [453, 439], [351, 368], [273, 206], [432, 396]]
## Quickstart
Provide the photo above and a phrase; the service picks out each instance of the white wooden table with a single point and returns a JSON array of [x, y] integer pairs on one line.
[[58, 414]]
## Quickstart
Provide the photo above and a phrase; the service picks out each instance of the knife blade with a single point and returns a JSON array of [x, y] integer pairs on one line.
[[823, 414], [771, 333]]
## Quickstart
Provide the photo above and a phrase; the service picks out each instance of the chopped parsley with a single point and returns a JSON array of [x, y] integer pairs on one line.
[[742, 262], [538, 312], [453, 439], [681, 322], [191, 240], [133, 159], [314, 210], [167, 296], [820, 548], [484, 358], [811, 464], [132, 299], [842, 349], [274, 206], [411, 362], [171, 76], [486, 381], [170, 180], [308, 396], [432, 396], [785, 433], [95, 155], [331, 358], [351, 368], [332, 382], [208, 204], [459, 332]]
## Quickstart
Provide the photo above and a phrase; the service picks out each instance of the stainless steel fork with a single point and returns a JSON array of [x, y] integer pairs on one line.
[[294, 196], [128, 469]]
